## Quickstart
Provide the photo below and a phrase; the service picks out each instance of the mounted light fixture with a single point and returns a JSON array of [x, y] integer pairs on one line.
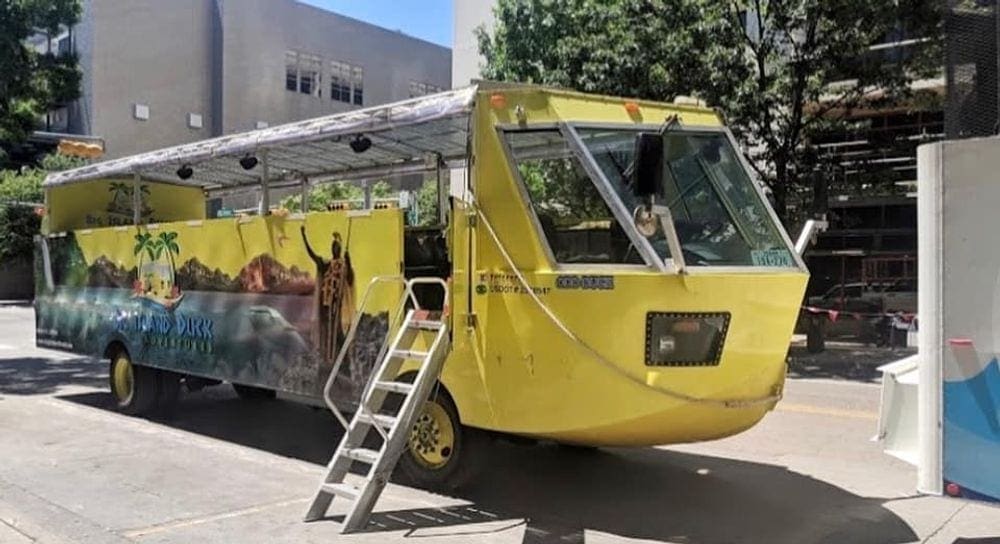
[[248, 162], [361, 143], [185, 171]]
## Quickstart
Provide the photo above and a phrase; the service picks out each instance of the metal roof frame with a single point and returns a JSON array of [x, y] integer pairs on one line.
[[404, 134]]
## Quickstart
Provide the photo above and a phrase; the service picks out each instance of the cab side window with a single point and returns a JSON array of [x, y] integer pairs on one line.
[[574, 218]]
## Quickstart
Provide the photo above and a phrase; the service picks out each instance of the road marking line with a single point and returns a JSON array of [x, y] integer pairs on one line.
[[834, 381], [821, 411], [171, 525]]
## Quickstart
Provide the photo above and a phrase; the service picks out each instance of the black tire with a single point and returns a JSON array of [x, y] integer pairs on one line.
[[251, 393], [134, 388], [463, 457]]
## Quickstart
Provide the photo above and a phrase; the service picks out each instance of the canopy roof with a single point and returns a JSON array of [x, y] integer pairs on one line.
[[406, 136]]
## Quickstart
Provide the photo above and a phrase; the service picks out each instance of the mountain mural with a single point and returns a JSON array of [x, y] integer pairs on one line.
[[193, 275], [263, 274], [105, 273]]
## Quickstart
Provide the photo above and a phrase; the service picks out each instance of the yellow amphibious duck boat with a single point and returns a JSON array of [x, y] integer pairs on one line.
[[630, 284], [617, 276]]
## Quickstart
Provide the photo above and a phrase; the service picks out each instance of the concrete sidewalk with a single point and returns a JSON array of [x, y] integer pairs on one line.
[[224, 470]]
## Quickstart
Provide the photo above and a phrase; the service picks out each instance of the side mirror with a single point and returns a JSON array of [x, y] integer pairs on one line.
[[647, 176]]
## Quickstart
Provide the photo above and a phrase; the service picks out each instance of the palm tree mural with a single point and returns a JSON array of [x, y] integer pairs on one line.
[[143, 247], [121, 198], [167, 242], [156, 276], [144, 209]]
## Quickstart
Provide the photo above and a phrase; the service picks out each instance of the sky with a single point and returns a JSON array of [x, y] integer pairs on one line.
[[429, 20]]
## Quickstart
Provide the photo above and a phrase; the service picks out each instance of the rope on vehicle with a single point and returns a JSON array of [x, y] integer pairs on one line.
[[677, 395]]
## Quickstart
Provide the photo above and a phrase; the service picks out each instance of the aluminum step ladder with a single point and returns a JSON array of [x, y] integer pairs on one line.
[[393, 430]]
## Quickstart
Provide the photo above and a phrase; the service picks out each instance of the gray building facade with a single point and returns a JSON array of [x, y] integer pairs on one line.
[[161, 73]]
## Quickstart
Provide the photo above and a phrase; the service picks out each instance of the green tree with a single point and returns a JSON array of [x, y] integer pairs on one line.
[[800, 75], [20, 193], [427, 203], [20, 196], [32, 83], [321, 196]]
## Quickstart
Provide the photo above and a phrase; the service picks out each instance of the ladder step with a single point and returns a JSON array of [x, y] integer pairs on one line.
[[426, 325], [410, 354], [347, 491], [395, 387], [382, 459], [364, 455], [386, 422]]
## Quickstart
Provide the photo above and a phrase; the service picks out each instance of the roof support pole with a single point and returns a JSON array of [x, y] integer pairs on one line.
[[265, 190], [367, 185], [443, 192], [304, 199], [136, 198]]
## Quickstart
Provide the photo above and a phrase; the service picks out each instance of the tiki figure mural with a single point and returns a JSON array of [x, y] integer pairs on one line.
[[334, 296]]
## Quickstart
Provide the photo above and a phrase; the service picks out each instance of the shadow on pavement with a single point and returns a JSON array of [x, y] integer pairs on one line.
[[40, 375], [559, 493], [285, 428], [664, 495], [843, 361]]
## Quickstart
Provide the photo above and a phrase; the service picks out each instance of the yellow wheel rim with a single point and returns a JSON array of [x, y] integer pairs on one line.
[[432, 440], [122, 379]]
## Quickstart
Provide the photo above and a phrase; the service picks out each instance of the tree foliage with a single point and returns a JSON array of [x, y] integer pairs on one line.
[[781, 71], [20, 193], [427, 204], [32, 83], [322, 196]]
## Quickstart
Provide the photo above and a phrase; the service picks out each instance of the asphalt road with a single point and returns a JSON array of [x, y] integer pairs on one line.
[[224, 470]]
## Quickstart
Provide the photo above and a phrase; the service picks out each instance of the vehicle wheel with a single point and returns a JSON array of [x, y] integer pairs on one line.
[[441, 453], [249, 392], [134, 387], [815, 337]]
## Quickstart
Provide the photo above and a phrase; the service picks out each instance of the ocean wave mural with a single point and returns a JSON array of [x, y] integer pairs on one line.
[[971, 449]]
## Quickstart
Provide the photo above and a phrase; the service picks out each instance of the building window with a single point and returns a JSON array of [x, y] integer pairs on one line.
[[291, 71], [419, 88], [347, 83], [340, 81], [65, 45], [57, 120], [357, 80], [302, 73]]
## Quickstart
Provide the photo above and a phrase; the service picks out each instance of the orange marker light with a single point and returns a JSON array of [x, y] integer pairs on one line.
[[632, 108], [498, 101]]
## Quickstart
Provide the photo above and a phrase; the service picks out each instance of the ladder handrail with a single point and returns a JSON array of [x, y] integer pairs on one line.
[[407, 295]]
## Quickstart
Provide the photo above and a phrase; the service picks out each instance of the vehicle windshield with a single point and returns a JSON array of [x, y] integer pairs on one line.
[[718, 214]]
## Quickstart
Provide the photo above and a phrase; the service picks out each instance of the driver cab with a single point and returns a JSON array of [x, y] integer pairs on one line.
[[696, 178]]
